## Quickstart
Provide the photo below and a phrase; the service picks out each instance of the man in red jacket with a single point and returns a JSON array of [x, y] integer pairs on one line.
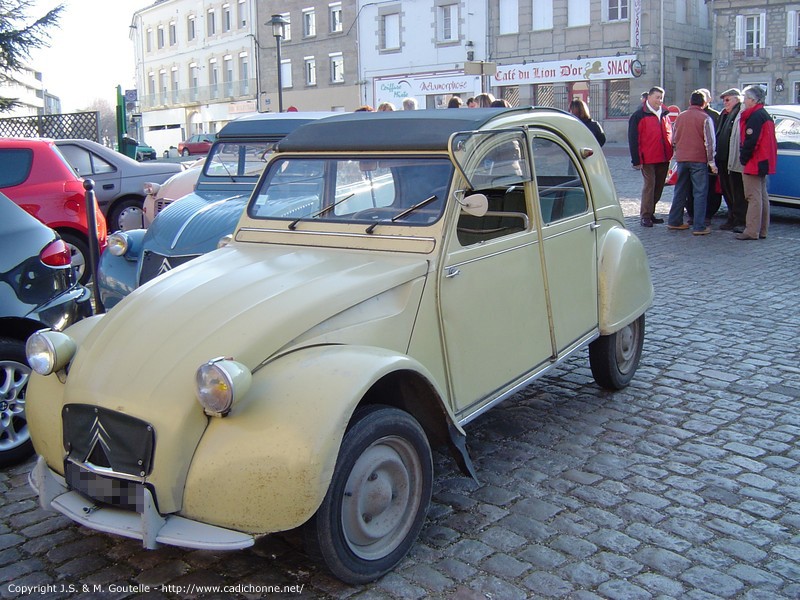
[[650, 143], [759, 154]]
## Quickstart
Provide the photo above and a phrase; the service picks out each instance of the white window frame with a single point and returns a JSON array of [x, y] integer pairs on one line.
[[244, 73], [161, 38], [335, 17], [336, 58], [241, 13], [309, 23], [286, 73], [227, 18], [622, 8], [191, 27], [508, 16], [792, 29], [390, 24], [211, 22], [287, 29], [173, 33], [681, 11], [148, 40], [702, 14], [447, 23], [542, 18], [578, 13], [742, 29], [310, 70]]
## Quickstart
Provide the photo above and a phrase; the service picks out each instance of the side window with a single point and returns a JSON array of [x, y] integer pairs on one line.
[[16, 166], [100, 165], [78, 159], [787, 133], [560, 187]]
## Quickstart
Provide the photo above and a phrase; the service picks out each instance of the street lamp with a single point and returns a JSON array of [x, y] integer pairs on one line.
[[279, 30]]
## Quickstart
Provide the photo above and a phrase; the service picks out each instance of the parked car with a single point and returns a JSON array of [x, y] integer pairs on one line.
[[37, 177], [38, 289], [119, 180], [145, 152], [394, 275], [199, 143], [161, 195], [199, 221], [784, 186]]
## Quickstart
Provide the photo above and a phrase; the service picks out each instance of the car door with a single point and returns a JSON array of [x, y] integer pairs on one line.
[[107, 178], [783, 185], [569, 242], [493, 305]]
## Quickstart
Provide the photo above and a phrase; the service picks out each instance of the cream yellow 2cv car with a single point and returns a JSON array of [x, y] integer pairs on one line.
[[393, 276]]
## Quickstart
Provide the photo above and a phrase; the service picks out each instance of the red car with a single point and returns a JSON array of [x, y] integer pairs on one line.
[[197, 144], [36, 176]]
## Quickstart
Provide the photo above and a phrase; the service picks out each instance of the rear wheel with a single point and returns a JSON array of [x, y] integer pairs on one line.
[[126, 214], [79, 249], [378, 496], [614, 358], [15, 439], [185, 152]]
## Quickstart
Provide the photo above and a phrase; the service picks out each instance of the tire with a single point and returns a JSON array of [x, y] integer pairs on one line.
[[126, 215], [185, 152], [15, 439], [79, 248], [377, 499], [614, 358]]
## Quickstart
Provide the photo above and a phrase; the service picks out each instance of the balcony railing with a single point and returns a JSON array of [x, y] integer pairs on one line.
[[753, 53], [791, 52], [225, 91]]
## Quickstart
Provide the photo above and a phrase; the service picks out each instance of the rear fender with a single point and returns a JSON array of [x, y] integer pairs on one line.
[[624, 284], [266, 466]]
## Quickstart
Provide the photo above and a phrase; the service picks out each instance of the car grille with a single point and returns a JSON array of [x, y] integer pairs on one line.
[[109, 454], [162, 204], [154, 264]]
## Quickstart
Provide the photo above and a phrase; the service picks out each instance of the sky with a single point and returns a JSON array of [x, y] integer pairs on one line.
[[90, 54]]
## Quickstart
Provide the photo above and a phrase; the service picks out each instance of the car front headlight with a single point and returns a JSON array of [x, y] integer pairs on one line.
[[224, 240], [219, 383], [118, 243], [49, 351]]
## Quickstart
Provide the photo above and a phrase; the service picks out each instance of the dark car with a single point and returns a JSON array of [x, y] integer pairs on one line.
[[199, 143], [119, 180], [37, 177], [196, 223], [38, 290]]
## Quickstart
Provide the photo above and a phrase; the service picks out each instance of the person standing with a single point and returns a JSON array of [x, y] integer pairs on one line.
[[650, 143], [694, 152], [409, 103], [727, 158], [758, 155], [581, 110]]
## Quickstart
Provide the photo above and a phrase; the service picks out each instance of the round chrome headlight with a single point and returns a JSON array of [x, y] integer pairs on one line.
[[118, 243], [219, 383], [49, 351]]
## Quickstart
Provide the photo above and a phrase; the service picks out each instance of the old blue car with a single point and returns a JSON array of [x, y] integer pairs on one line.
[[784, 185], [198, 222]]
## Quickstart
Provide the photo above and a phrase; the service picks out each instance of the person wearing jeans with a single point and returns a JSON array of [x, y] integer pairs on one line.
[[694, 142]]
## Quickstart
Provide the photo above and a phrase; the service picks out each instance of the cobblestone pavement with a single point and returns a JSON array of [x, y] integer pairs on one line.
[[685, 485]]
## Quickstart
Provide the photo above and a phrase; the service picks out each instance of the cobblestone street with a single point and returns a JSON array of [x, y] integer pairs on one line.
[[686, 485]]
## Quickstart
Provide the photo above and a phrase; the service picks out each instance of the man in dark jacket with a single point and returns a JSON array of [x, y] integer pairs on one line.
[[730, 170], [650, 143], [758, 154]]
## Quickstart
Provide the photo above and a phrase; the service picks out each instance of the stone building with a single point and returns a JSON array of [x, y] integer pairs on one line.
[[758, 43]]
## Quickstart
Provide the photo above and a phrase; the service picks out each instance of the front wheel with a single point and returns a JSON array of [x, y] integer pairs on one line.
[[79, 250], [15, 439], [377, 499], [126, 214], [615, 357]]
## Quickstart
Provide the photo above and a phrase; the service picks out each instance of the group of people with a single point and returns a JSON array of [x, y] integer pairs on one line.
[[737, 146]]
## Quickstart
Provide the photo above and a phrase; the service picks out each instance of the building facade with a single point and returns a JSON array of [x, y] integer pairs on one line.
[[319, 57], [26, 87], [195, 68], [758, 43]]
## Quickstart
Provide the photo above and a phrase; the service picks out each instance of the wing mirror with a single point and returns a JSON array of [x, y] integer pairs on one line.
[[474, 204]]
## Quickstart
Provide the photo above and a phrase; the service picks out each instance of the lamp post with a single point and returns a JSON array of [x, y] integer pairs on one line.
[[278, 30]]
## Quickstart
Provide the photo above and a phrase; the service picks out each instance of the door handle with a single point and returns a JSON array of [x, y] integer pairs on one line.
[[594, 225], [108, 186], [452, 272]]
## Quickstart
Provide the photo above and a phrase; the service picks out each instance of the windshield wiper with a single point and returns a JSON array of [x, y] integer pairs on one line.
[[319, 213], [403, 214]]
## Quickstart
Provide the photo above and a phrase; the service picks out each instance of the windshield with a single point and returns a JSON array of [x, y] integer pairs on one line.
[[231, 160], [378, 191]]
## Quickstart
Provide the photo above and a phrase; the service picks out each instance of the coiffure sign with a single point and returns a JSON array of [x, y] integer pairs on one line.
[[608, 67], [395, 89]]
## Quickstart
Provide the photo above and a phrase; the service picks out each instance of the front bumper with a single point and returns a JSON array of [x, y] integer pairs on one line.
[[149, 526]]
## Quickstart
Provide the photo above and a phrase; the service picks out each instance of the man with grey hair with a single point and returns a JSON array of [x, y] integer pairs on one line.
[[409, 103], [758, 155], [727, 157]]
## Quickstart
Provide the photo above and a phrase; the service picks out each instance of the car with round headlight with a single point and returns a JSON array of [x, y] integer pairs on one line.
[[196, 210], [393, 276]]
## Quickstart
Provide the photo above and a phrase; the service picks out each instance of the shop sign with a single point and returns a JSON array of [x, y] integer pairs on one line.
[[608, 67], [395, 89]]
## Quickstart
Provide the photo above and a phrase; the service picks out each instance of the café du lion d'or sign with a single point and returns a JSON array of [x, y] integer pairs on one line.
[[604, 67]]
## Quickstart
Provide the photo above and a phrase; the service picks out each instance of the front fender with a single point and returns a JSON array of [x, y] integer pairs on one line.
[[117, 275], [625, 289], [266, 467]]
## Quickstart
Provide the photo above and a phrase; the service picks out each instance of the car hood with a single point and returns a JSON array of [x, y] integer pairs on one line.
[[244, 301], [195, 223], [152, 169]]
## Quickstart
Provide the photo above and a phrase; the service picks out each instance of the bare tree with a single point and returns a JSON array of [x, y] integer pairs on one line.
[[107, 121], [19, 36]]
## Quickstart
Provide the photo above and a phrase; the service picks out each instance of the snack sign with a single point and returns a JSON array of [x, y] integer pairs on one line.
[[609, 67]]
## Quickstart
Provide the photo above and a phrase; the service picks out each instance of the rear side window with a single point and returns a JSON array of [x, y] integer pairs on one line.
[[16, 166]]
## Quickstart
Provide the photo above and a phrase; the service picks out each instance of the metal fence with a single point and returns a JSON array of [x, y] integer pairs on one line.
[[82, 125]]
